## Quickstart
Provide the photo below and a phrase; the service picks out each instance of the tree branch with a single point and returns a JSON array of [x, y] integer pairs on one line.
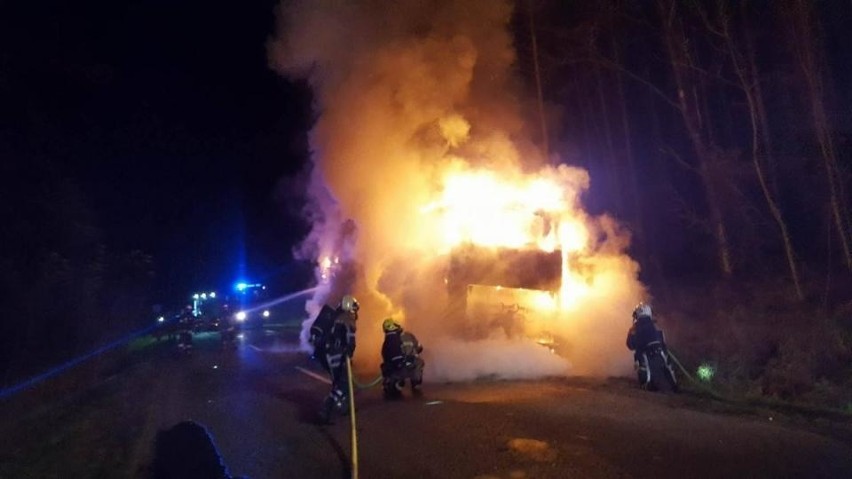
[[614, 66]]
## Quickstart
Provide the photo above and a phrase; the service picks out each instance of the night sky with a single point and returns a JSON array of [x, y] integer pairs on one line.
[[167, 117]]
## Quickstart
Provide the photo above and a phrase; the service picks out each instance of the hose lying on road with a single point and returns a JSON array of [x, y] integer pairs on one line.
[[369, 384]]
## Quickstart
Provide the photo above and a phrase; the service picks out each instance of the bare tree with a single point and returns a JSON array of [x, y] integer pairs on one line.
[[545, 143], [749, 81], [689, 106], [804, 45], [628, 143]]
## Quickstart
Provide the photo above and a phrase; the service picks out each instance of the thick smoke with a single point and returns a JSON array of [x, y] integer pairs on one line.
[[405, 92]]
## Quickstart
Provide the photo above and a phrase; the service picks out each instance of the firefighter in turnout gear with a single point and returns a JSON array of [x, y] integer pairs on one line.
[[400, 359], [643, 331], [644, 338], [333, 338]]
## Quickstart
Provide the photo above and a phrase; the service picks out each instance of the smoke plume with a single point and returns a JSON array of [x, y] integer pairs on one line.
[[418, 105]]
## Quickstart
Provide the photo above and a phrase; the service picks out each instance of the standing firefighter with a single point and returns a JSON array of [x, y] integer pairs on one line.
[[400, 359], [333, 339], [186, 323]]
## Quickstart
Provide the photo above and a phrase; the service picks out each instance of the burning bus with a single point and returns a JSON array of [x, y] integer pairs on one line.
[[513, 246], [501, 289], [507, 247]]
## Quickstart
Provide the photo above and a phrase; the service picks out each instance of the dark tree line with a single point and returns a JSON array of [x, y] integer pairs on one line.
[[131, 131], [717, 129], [63, 291]]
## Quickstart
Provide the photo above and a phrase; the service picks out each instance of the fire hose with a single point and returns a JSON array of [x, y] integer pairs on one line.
[[368, 384], [683, 369], [704, 387], [354, 454]]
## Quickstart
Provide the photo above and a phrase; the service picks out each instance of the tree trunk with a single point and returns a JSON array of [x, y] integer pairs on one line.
[[747, 82], [762, 118], [541, 116], [612, 162], [804, 48], [677, 49], [628, 145]]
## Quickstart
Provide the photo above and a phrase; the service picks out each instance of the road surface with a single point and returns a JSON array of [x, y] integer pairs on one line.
[[259, 404]]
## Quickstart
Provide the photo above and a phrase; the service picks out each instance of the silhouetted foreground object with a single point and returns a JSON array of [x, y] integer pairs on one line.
[[186, 451]]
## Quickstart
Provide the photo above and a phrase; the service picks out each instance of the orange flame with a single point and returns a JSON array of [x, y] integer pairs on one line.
[[517, 211]]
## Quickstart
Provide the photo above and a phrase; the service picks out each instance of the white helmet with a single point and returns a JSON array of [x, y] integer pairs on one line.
[[642, 309], [349, 304]]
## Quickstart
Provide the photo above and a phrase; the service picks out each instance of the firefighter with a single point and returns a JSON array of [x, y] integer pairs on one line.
[[642, 334], [334, 341], [186, 323], [400, 358], [228, 327], [643, 331]]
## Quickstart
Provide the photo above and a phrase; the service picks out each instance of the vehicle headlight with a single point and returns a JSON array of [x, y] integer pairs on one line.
[[241, 316], [266, 314]]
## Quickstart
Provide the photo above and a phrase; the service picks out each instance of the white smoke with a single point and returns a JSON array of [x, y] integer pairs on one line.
[[405, 90]]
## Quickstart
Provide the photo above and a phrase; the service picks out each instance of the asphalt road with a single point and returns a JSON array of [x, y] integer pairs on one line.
[[259, 405]]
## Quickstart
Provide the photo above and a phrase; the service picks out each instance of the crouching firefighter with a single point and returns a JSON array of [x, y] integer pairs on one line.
[[333, 339], [650, 353], [400, 359]]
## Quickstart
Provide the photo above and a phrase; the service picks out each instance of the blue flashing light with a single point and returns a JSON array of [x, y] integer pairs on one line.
[[241, 286]]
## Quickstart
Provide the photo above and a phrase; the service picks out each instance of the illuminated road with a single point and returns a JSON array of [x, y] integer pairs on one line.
[[261, 411]]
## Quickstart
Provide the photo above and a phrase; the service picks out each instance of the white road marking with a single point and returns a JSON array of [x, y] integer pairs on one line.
[[314, 375], [434, 403], [255, 348]]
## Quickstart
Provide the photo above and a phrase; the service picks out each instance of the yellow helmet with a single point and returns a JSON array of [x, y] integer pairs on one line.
[[390, 325]]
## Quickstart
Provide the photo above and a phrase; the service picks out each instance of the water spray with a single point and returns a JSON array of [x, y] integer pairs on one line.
[[279, 300]]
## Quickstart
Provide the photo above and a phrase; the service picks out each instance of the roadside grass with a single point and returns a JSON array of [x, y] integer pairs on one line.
[[764, 347], [750, 404], [87, 421], [88, 437], [85, 431]]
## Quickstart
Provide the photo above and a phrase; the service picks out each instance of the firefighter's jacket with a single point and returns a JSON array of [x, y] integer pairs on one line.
[[643, 333], [342, 334], [398, 347], [333, 331]]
